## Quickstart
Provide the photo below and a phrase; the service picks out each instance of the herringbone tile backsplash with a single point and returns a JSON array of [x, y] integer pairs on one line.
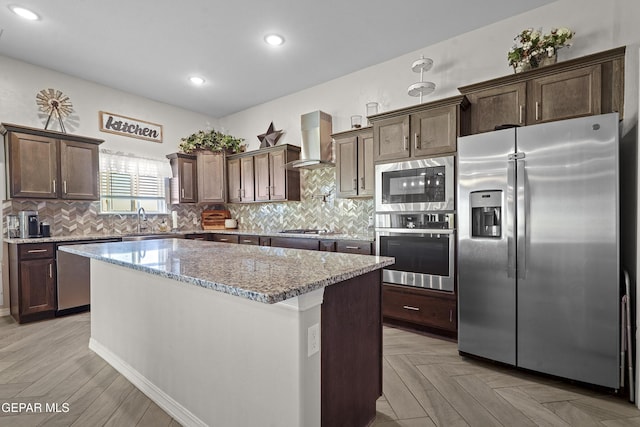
[[318, 208]]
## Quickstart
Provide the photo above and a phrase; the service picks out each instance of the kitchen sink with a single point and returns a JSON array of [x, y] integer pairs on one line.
[[136, 237]]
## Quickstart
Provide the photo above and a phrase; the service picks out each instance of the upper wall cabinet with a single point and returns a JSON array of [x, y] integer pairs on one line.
[[267, 179], [211, 170], [46, 164], [184, 180], [585, 86], [424, 130], [354, 163]]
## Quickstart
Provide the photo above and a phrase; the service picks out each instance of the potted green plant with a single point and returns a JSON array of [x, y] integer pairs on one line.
[[212, 141], [533, 48]]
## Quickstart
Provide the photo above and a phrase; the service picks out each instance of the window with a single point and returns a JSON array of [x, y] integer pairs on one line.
[[128, 182]]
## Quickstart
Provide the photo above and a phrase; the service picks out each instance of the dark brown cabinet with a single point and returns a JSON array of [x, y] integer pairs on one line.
[[240, 176], [225, 238], [296, 243], [425, 130], [579, 87], [197, 236], [432, 309], [32, 281], [354, 247], [184, 181], [354, 163], [498, 106], [211, 171], [268, 180], [51, 165]]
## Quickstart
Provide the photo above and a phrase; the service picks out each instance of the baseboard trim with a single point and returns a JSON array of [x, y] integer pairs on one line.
[[4, 312], [162, 399]]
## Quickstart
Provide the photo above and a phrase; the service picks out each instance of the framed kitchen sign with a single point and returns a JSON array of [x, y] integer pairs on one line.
[[127, 126]]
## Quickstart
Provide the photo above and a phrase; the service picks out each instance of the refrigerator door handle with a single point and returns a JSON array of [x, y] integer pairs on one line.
[[510, 217], [521, 216]]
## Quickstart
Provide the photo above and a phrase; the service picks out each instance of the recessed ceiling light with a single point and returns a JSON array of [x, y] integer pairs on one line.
[[198, 81], [274, 39], [24, 13]]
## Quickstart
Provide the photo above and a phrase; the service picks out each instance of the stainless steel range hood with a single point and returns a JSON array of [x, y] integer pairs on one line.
[[316, 145]]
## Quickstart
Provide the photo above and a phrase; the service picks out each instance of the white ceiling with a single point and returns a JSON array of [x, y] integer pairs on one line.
[[151, 47]]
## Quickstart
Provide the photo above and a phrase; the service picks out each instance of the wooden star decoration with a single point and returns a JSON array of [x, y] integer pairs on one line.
[[270, 137]]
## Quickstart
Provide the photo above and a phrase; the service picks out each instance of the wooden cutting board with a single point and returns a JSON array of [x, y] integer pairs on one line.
[[214, 219]]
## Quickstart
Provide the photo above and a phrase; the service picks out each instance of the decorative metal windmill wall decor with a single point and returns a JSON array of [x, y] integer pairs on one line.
[[54, 103]]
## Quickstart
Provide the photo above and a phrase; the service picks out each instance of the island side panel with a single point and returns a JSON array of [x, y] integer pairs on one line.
[[206, 357], [351, 362]]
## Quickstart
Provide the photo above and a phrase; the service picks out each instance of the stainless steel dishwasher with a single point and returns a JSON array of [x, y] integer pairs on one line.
[[74, 279]]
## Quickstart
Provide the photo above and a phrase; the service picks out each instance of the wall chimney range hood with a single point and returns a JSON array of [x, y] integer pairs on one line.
[[316, 147]]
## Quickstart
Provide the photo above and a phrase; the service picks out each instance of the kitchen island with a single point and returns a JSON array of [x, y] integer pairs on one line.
[[237, 335]]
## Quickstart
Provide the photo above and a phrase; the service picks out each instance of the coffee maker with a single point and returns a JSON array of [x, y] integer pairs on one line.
[[29, 224]]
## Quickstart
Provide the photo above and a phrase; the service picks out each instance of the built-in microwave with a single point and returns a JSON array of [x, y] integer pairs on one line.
[[425, 185]]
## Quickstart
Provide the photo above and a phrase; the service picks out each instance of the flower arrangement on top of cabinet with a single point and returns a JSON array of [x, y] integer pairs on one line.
[[212, 141], [533, 49]]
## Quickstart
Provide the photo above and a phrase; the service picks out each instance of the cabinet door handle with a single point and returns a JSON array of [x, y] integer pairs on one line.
[[223, 240], [406, 143], [183, 193], [416, 138], [36, 251], [362, 182], [268, 190], [64, 187], [352, 247], [51, 271], [537, 111], [246, 241], [355, 183], [408, 307], [520, 114], [53, 184], [450, 315]]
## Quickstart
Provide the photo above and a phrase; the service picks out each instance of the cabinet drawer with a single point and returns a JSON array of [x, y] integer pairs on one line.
[[197, 236], [295, 243], [265, 241], [36, 250], [225, 238], [354, 247], [328, 245], [249, 240], [420, 307]]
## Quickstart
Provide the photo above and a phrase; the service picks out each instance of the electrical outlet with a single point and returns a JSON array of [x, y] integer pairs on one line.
[[313, 339]]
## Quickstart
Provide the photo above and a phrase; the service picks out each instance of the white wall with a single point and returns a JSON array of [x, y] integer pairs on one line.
[[20, 82]]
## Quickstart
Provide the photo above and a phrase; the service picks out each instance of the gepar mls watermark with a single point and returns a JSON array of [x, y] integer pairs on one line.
[[34, 408]]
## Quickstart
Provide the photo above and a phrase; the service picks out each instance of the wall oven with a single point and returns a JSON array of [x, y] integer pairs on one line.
[[425, 185], [423, 245]]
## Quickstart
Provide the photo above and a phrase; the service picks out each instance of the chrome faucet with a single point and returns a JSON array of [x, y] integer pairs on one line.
[[142, 215]]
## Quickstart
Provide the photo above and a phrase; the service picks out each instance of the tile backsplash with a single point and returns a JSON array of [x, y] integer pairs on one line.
[[317, 208]]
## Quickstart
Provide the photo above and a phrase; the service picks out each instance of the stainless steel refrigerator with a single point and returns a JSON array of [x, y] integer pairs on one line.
[[538, 249]]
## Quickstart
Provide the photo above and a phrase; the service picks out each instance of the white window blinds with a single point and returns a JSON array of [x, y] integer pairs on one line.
[[128, 182]]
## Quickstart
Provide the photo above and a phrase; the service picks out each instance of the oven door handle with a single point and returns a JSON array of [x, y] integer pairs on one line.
[[387, 231]]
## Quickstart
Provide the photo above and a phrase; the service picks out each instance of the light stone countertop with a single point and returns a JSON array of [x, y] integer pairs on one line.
[[258, 273]]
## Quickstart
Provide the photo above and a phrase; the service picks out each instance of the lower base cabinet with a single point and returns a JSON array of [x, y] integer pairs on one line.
[[32, 281], [424, 307]]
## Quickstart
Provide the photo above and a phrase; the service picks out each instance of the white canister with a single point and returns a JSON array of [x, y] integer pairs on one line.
[[230, 223]]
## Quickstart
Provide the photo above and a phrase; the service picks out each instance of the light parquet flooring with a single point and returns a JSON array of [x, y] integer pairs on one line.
[[425, 382]]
